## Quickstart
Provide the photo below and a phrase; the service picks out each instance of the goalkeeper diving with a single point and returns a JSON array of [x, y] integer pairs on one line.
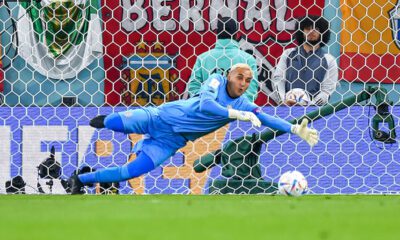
[[168, 127]]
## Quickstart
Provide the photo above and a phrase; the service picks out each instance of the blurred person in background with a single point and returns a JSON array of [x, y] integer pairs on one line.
[[219, 59], [308, 66]]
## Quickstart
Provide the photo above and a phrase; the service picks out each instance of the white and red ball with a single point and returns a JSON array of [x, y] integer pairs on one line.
[[292, 183], [300, 96]]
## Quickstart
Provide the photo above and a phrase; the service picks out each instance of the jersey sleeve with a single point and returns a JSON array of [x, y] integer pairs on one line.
[[248, 106], [266, 119], [273, 122], [211, 86]]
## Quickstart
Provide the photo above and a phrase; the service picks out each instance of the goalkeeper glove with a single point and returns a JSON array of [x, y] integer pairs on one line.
[[308, 134], [244, 116]]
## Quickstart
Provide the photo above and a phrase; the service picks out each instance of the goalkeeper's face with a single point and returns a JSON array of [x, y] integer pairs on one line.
[[239, 80]]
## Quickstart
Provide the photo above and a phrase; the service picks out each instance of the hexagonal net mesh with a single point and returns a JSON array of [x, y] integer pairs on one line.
[[334, 62]]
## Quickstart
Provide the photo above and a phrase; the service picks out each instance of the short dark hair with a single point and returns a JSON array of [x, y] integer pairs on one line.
[[316, 22], [227, 28]]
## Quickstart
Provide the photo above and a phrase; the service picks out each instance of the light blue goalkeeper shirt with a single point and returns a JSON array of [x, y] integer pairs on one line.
[[208, 111], [193, 115]]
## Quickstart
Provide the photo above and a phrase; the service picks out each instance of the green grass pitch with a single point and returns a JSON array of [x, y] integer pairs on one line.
[[199, 217]]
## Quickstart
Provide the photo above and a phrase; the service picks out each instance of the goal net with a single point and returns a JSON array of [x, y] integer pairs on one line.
[[64, 62]]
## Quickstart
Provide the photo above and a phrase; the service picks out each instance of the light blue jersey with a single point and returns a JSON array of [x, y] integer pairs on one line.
[[187, 116], [168, 127]]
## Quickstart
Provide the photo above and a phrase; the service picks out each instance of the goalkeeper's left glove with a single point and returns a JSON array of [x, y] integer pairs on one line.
[[310, 135]]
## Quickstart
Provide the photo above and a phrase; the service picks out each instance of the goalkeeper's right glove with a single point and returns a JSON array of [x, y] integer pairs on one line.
[[244, 116], [310, 135]]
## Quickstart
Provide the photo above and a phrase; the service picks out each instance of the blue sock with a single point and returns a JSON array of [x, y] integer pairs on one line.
[[142, 164], [114, 122]]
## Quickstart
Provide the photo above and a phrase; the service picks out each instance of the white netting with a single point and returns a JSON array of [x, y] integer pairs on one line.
[[64, 62]]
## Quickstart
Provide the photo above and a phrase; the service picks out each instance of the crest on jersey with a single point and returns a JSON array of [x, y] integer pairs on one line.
[[214, 83]]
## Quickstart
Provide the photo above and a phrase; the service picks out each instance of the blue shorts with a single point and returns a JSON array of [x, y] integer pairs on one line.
[[160, 141]]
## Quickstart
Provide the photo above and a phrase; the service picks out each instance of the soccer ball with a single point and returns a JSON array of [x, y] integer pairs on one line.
[[300, 96], [292, 183]]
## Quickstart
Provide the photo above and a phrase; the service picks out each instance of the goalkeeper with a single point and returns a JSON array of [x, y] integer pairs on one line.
[[169, 127]]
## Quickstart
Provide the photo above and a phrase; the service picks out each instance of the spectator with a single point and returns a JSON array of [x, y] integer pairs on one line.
[[218, 60], [307, 66]]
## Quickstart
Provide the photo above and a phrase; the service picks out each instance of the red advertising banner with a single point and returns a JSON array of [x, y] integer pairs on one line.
[[137, 34]]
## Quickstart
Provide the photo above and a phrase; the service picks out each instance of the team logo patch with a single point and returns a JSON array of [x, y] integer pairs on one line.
[[214, 83]]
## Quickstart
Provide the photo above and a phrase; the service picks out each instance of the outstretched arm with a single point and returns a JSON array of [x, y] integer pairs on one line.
[[273, 122], [308, 134], [209, 105]]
